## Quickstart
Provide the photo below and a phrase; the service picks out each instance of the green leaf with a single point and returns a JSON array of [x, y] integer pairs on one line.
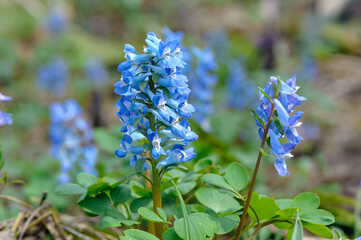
[[236, 176], [318, 229], [109, 180], [185, 221], [219, 202], [283, 225], [226, 224], [297, 233], [108, 221], [149, 215], [155, 77], [265, 94], [283, 203], [147, 147], [306, 201], [318, 216], [170, 234], [165, 91], [142, 85], [257, 117], [202, 164], [141, 191], [162, 214], [216, 180], [278, 125], [115, 214], [98, 188], [185, 187], [86, 179], [205, 221], [196, 231], [135, 234], [124, 238], [129, 222], [265, 152], [120, 194], [265, 207], [140, 202], [96, 205], [69, 189]]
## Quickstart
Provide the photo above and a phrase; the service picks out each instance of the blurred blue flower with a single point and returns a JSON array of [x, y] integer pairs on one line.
[[71, 138], [94, 69], [309, 70], [56, 21], [53, 76], [310, 131], [218, 40], [170, 35], [153, 102], [5, 118], [240, 93], [202, 81], [278, 100]]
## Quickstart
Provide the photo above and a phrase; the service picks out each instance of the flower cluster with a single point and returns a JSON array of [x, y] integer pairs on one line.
[[53, 76], [5, 118], [202, 81], [278, 100], [240, 93], [71, 138], [153, 105]]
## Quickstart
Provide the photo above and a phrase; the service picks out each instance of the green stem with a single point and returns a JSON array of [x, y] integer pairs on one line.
[[157, 200], [245, 209]]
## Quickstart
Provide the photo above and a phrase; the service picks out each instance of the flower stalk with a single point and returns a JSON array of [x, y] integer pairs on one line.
[[157, 198], [248, 200]]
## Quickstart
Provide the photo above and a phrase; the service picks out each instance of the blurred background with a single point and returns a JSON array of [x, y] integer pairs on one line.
[[52, 51]]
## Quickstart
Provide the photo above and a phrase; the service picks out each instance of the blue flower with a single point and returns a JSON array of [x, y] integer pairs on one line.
[[240, 93], [53, 76], [5, 118], [178, 154], [202, 81], [281, 152], [95, 70], [71, 138], [155, 140], [170, 35], [153, 104], [56, 21], [278, 100]]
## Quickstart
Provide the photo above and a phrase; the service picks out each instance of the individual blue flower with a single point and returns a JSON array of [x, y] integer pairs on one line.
[[278, 100], [71, 138], [5, 118], [94, 69], [155, 140], [53, 76], [178, 154], [153, 106]]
